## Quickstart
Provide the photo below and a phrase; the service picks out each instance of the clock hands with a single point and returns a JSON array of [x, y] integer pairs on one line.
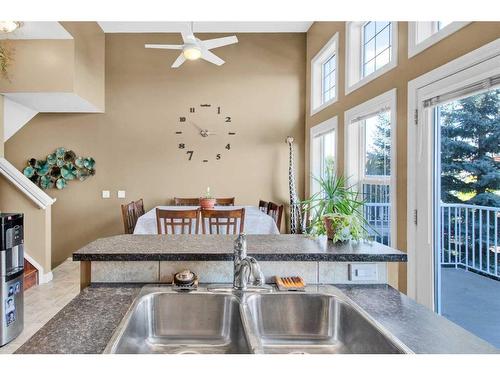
[[203, 132]]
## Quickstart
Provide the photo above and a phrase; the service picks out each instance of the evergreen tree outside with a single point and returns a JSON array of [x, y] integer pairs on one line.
[[470, 150], [378, 150]]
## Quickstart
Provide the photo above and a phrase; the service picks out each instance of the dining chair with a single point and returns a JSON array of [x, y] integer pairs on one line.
[[177, 218], [263, 206], [186, 201], [129, 216], [224, 201], [139, 207], [276, 212], [217, 219]]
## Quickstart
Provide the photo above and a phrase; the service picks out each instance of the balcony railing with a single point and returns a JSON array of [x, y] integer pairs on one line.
[[377, 212], [469, 238]]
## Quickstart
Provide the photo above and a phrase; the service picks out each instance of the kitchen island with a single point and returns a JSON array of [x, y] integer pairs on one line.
[[87, 323], [155, 258]]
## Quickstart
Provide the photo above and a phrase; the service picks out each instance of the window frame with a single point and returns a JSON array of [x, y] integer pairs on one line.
[[330, 49], [362, 46], [373, 179], [415, 47], [317, 131], [354, 56], [353, 166]]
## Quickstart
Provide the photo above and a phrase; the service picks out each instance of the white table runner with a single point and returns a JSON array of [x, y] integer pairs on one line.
[[256, 221]]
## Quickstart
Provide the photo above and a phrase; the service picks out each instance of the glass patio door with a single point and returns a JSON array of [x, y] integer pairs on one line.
[[466, 209]]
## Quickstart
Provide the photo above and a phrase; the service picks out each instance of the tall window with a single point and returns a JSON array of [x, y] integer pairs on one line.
[[369, 162], [324, 76], [376, 174], [328, 79], [377, 42], [323, 150], [423, 34], [371, 51]]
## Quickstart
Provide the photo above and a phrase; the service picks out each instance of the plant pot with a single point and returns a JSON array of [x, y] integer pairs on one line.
[[207, 203], [330, 232]]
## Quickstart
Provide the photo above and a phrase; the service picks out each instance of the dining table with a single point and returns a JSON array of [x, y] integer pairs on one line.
[[256, 221]]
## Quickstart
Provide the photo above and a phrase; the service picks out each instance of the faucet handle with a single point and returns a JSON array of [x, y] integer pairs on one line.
[[240, 245]]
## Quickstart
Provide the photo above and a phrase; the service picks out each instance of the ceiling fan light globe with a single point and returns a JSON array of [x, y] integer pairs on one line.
[[9, 26], [191, 53]]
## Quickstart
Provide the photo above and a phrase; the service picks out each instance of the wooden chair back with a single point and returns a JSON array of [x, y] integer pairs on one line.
[[139, 207], [276, 212], [171, 219], [129, 216], [224, 201], [186, 201], [263, 206], [214, 221]]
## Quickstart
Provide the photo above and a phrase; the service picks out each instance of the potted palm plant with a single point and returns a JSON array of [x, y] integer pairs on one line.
[[336, 210]]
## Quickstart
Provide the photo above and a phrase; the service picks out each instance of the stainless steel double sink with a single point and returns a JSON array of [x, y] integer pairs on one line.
[[162, 320]]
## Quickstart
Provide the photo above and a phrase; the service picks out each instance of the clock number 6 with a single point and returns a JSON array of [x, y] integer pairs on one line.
[[190, 154]]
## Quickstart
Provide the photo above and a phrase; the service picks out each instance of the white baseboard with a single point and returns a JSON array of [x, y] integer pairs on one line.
[[43, 277]]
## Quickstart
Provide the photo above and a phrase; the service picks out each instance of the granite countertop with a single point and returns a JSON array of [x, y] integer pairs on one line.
[[282, 247], [87, 323]]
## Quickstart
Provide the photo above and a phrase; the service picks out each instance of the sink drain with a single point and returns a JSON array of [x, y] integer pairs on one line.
[[188, 352]]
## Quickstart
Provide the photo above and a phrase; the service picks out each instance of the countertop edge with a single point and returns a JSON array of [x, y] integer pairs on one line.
[[306, 257]]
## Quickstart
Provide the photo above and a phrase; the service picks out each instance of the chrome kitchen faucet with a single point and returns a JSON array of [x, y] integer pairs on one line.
[[246, 269]]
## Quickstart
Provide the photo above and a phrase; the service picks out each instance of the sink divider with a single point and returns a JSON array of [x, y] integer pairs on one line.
[[250, 330]]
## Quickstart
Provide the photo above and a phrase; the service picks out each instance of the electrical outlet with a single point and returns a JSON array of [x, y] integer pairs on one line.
[[363, 272], [121, 194], [106, 194]]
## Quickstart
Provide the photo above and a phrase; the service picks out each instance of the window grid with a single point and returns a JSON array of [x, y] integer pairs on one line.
[[370, 65], [328, 83]]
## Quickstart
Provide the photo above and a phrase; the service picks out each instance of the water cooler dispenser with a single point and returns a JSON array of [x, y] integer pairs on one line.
[[11, 276]]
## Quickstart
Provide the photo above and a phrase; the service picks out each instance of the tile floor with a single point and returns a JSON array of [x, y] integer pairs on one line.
[[42, 302]]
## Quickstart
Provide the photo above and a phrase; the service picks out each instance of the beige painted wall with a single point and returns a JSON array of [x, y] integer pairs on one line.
[[40, 65], [262, 87], [70, 65], [465, 40], [1, 127], [89, 61], [37, 223]]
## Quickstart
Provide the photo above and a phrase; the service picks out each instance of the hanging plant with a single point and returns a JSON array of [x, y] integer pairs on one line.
[[59, 167], [6, 59]]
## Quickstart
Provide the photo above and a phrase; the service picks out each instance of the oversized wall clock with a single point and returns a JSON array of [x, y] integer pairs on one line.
[[204, 133]]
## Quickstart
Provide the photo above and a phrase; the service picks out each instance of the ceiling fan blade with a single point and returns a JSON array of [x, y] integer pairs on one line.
[[164, 46], [179, 61], [188, 37], [211, 57], [219, 42]]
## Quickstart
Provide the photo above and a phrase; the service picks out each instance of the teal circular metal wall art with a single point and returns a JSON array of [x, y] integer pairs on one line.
[[59, 168]]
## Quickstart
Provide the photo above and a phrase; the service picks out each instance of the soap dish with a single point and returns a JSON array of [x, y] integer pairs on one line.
[[290, 283]]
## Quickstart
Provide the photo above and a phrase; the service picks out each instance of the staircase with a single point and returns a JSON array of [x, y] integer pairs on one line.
[[30, 275]]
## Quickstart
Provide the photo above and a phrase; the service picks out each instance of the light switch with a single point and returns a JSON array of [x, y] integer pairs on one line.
[[105, 194], [121, 194], [363, 272]]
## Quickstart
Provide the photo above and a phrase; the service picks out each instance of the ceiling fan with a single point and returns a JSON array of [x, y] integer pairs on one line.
[[194, 48]]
